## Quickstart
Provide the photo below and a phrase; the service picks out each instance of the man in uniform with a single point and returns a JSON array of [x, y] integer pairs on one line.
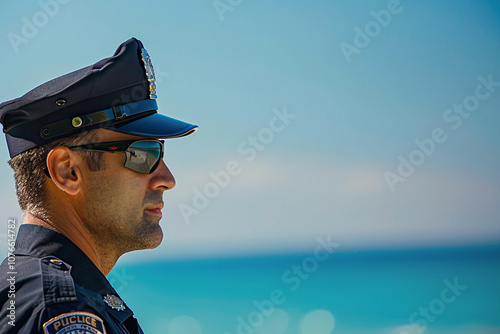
[[88, 163]]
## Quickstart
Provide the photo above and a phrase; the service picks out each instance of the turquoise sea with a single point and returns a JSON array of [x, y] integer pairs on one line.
[[437, 291]]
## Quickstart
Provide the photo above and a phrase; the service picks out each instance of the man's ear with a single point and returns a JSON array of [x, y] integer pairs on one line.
[[64, 168]]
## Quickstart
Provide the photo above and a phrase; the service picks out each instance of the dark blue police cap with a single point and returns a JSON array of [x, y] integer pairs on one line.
[[117, 93]]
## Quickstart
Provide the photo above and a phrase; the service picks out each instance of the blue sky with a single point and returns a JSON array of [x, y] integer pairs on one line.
[[351, 118]]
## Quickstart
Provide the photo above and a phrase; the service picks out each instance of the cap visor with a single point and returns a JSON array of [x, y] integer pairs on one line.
[[158, 126]]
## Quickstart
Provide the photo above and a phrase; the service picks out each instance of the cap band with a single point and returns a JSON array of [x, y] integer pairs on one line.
[[115, 113]]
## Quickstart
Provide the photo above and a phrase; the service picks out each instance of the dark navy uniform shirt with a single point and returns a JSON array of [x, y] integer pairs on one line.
[[57, 289]]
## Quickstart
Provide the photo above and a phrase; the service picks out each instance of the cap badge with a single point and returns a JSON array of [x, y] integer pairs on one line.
[[150, 73], [114, 302]]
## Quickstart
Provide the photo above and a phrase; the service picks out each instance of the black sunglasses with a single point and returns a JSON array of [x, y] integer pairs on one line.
[[142, 156]]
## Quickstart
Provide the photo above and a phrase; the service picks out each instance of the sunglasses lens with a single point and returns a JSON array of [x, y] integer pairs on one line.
[[143, 156]]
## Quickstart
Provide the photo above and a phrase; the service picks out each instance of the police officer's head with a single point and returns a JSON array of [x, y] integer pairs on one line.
[[61, 135]]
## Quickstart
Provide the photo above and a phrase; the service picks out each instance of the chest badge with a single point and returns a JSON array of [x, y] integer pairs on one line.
[[114, 302]]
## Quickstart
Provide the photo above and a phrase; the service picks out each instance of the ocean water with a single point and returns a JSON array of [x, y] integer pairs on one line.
[[438, 291]]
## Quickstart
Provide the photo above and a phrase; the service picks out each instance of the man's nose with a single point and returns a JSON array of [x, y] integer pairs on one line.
[[162, 178]]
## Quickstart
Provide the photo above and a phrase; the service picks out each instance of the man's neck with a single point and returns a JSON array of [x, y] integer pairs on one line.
[[81, 237]]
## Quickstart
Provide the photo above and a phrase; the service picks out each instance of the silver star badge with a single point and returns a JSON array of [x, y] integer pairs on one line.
[[114, 302]]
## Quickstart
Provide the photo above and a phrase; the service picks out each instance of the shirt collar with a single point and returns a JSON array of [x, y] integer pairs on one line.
[[39, 241]]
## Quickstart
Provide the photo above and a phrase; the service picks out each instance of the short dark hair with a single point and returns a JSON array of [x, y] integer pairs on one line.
[[29, 170]]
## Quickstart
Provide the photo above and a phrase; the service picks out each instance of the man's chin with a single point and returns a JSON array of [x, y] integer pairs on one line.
[[150, 237], [156, 242]]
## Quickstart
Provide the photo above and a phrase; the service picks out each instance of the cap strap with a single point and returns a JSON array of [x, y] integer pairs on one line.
[[67, 125]]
